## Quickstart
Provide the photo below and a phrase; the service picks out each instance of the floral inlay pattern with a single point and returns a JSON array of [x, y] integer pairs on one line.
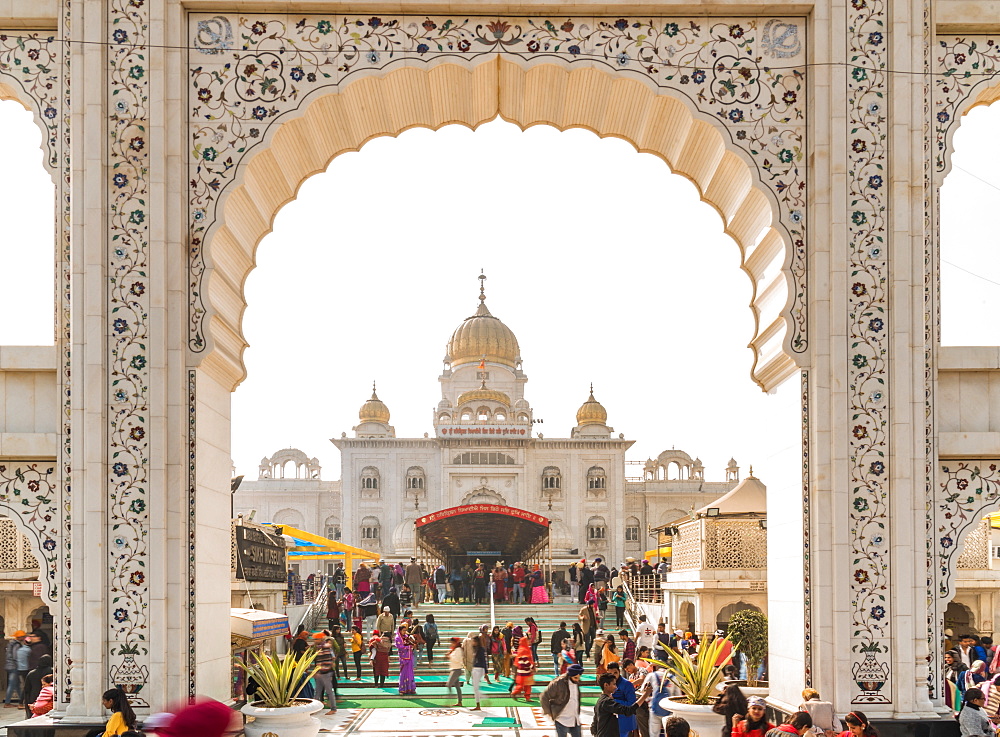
[[192, 521], [248, 71], [28, 491], [963, 65], [128, 331], [868, 346], [806, 532], [32, 62], [966, 491]]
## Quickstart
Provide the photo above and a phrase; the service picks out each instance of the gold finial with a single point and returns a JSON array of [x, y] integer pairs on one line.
[[482, 285], [751, 471], [591, 390], [373, 391]]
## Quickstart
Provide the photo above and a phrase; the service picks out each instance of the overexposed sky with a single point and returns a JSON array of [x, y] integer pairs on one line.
[[606, 266]]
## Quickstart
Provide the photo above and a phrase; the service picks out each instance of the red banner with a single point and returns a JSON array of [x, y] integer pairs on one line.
[[483, 430], [483, 509]]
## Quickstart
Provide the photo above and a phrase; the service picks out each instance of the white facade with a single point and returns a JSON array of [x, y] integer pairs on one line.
[[483, 449]]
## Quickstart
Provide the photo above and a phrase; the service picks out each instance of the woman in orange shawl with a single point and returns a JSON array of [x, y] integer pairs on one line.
[[524, 667]]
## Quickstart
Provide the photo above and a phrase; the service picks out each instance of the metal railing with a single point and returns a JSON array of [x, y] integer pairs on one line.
[[319, 592], [645, 589]]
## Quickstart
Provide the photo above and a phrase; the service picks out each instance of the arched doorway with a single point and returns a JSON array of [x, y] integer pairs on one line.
[[726, 613], [489, 532], [686, 617], [959, 619]]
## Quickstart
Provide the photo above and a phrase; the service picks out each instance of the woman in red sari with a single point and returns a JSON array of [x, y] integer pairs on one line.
[[524, 668], [500, 584], [379, 646]]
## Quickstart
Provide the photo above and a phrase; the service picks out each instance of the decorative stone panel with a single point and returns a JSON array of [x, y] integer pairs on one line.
[[16, 551], [248, 73], [686, 548], [735, 544], [976, 552]]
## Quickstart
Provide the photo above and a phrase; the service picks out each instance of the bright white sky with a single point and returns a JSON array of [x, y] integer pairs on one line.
[[606, 266]]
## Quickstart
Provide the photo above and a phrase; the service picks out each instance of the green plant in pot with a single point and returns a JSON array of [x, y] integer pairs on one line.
[[279, 682], [748, 631], [697, 679]]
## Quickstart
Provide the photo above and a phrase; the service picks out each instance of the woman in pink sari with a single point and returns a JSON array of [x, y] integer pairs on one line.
[[407, 680], [590, 598]]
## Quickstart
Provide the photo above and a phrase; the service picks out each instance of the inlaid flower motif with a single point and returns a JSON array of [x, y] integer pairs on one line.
[[567, 27], [736, 31], [137, 578], [859, 4], [119, 469], [943, 117], [861, 576], [296, 73], [259, 112], [119, 542], [875, 181], [374, 21], [623, 59], [621, 24], [429, 25], [498, 28], [120, 395], [424, 48], [204, 94], [858, 146], [138, 506], [137, 433], [50, 113], [33, 485], [860, 504], [138, 288], [962, 484], [119, 326], [671, 30], [209, 154], [860, 432], [573, 50], [465, 44], [876, 324], [258, 28], [875, 38], [120, 36], [959, 59], [947, 542], [698, 76], [138, 362], [741, 135], [858, 217], [878, 612], [789, 97], [785, 156], [859, 360], [137, 217], [533, 46], [859, 74], [735, 115], [858, 289], [136, 72], [324, 27], [119, 180], [120, 615], [136, 144], [877, 468], [49, 544]]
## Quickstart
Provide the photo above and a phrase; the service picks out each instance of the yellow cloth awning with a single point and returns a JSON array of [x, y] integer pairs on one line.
[[657, 553], [317, 547]]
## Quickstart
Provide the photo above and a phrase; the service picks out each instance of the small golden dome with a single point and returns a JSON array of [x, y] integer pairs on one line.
[[482, 394], [483, 336], [374, 410], [592, 412]]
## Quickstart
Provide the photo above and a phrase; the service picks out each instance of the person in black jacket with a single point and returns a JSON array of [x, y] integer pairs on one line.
[[555, 645], [607, 710], [33, 683], [586, 578]]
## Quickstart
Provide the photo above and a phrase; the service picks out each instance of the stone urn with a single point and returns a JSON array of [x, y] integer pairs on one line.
[[296, 720], [704, 722]]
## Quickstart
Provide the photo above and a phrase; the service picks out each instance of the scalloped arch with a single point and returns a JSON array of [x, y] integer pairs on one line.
[[544, 94]]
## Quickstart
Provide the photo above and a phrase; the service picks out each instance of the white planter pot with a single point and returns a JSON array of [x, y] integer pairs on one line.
[[288, 721], [703, 721], [748, 691]]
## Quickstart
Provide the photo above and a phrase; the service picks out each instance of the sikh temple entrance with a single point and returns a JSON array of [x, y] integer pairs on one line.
[[487, 532]]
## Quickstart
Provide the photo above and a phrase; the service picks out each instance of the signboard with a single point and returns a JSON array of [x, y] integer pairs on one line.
[[502, 431], [482, 509], [259, 556], [36, 588]]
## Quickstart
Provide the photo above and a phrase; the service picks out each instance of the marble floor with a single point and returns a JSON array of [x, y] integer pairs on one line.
[[506, 721]]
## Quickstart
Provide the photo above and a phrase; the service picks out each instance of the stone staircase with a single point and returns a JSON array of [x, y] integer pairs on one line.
[[458, 620]]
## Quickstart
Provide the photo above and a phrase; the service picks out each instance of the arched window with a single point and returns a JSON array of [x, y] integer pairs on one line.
[[371, 529], [632, 530], [551, 478], [596, 528], [466, 416], [415, 478], [522, 417], [483, 413], [500, 416], [444, 417], [596, 478], [332, 528], [370, 478]]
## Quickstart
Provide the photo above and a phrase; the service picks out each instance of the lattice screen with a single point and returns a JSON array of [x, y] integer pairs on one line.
[[686, 553], [15, 548], [976, 554]]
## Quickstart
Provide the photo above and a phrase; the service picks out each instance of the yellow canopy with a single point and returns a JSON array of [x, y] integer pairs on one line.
[[323, 547], [656, 553]]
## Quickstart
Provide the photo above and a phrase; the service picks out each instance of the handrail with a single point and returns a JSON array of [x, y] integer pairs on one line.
[[630, 606], [319, 603]]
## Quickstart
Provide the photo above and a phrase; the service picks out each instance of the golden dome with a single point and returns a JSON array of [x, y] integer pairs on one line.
[[591, 412], [482, 394], [374, 410], [483, 336]]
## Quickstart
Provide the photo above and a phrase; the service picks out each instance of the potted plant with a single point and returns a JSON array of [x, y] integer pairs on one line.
[[748, 631], [278, 710], [697, 681]]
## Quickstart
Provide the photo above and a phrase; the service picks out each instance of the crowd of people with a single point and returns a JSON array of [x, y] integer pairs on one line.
[[972, 682], [29, 673]]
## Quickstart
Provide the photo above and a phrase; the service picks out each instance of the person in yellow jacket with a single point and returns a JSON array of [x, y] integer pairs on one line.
[[122, 717]]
